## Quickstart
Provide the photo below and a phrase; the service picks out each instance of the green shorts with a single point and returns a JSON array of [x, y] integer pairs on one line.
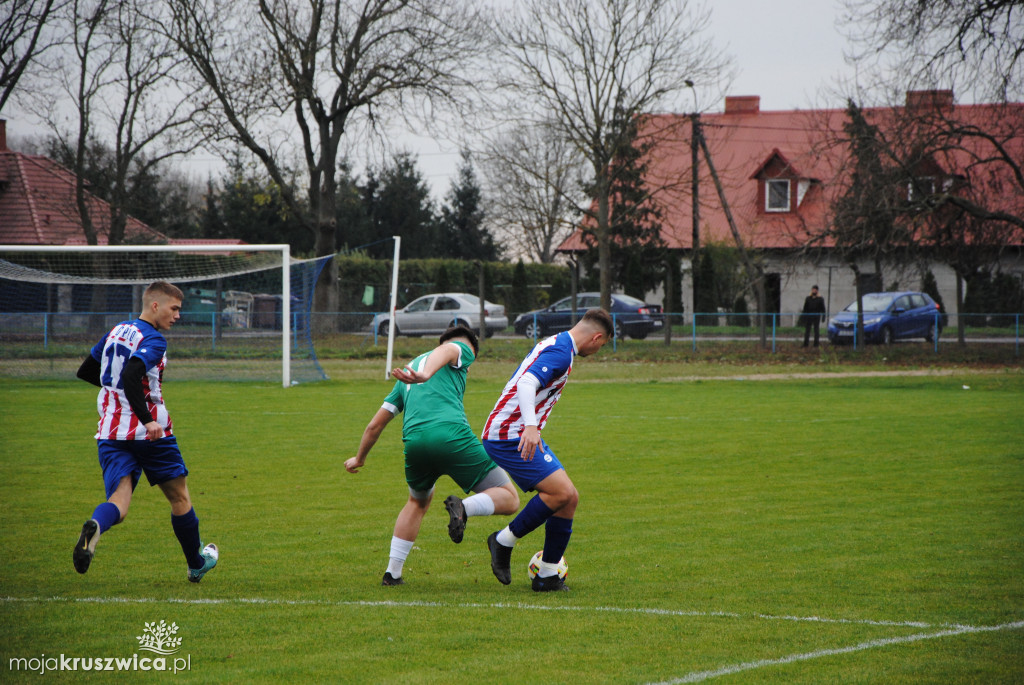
[[447, 449]]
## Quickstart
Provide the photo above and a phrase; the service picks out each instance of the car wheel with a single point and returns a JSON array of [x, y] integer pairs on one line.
[[382, 329], [620, 332], [533, 330], [933, 333], [886, 335]]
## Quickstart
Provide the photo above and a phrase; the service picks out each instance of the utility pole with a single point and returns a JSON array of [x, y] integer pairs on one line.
[[753, 271], [695, 137]]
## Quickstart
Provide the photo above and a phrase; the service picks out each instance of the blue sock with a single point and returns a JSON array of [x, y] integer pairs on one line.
[[556, 538], [529, 519], [107, 515], [186, 528]]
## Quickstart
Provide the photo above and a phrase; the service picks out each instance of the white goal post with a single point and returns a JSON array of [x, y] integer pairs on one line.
[[283, 250]]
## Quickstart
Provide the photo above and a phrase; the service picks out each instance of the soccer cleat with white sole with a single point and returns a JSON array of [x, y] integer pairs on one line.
[[86, 547], [210, 556]]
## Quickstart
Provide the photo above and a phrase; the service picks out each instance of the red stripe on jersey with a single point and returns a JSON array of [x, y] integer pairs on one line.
[[115, 416], [498, 409], [507, 424], [133, 426]]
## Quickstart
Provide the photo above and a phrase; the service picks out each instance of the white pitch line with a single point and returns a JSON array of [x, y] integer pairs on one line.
[[496, 605], [700, 676]]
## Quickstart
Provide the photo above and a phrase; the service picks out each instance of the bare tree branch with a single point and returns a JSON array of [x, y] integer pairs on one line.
[[592, 68]]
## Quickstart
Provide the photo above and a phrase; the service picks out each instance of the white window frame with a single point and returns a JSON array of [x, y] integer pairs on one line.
[[776, 182]]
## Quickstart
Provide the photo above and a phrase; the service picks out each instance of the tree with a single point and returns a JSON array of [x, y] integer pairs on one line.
[[329, 65], [463, 227], [20, 34], [250, 206], [971, 47], [963, 175], [591, 68], [119, 77], [164, 202], [533, 176], [397, 202]]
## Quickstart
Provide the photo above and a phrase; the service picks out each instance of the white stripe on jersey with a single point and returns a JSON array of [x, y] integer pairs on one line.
[[117, 421], [506, 420]]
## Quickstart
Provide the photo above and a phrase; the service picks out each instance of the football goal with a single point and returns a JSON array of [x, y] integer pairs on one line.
[[246, 313]]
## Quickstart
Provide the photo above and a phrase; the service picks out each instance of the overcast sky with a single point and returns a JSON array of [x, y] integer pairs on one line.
[[786, 51]]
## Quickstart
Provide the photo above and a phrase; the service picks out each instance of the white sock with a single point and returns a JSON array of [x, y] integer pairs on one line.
[[547, 570], [479, 504], [506, 538], [399, 553]]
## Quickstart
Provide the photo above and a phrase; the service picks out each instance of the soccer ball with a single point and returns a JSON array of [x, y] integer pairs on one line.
[[534, 567]]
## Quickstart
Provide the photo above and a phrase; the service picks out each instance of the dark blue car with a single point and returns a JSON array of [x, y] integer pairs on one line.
[[888, 317], [632, 317]]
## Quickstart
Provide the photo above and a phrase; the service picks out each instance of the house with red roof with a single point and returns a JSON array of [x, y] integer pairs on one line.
[[37, 204], [781, 173]]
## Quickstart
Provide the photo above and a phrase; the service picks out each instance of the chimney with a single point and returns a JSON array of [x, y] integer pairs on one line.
[[742, 104], [929, 99], [3, 135]]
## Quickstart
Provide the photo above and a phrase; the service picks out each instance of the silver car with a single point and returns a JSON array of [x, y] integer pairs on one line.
[[434, 314]]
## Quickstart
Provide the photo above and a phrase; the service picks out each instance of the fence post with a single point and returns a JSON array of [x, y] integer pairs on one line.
[[693, 328], [774, 319], [46, 331], [213, 330]]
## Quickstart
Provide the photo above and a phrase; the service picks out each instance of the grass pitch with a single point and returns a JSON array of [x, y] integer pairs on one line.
[[807, 531]]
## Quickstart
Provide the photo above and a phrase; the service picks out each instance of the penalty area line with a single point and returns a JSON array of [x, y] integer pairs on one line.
[[700, 676], [481, 605]]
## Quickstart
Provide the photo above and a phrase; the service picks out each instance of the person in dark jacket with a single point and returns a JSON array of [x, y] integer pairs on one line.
[[812, 315]]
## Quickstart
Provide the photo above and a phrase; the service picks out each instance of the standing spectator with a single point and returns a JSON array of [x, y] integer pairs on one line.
[[813, 314]]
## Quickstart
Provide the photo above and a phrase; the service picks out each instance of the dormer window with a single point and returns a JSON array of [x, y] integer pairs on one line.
[[776, 196], [921, 187]]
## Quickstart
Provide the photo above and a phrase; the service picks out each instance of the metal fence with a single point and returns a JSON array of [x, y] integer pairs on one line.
[[34, 335]]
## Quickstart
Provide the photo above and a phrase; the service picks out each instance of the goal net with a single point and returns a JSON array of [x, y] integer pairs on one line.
[[246, 313]]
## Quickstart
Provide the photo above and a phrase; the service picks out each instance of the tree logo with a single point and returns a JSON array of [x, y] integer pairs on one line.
[[159, 638]]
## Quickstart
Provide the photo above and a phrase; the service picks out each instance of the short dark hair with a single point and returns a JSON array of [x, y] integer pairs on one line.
[[600, 318], [461, 331], [162, 288]]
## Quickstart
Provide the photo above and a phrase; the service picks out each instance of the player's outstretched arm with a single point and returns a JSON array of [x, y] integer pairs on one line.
[[442, 355], [373, 430]]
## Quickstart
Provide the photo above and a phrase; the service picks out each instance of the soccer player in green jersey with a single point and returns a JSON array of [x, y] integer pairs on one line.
[[438, 442]]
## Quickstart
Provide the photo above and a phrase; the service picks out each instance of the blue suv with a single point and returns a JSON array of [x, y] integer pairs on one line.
[[888, 317]]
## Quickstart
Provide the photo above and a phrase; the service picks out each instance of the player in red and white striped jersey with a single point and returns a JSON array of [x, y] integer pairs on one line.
[[512, 438], [134, 434]]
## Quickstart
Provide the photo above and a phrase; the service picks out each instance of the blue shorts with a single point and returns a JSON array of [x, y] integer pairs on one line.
[[526, 474], [160, 459]]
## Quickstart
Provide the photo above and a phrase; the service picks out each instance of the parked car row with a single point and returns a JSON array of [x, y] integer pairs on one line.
[[888, 316], [434, 314]]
